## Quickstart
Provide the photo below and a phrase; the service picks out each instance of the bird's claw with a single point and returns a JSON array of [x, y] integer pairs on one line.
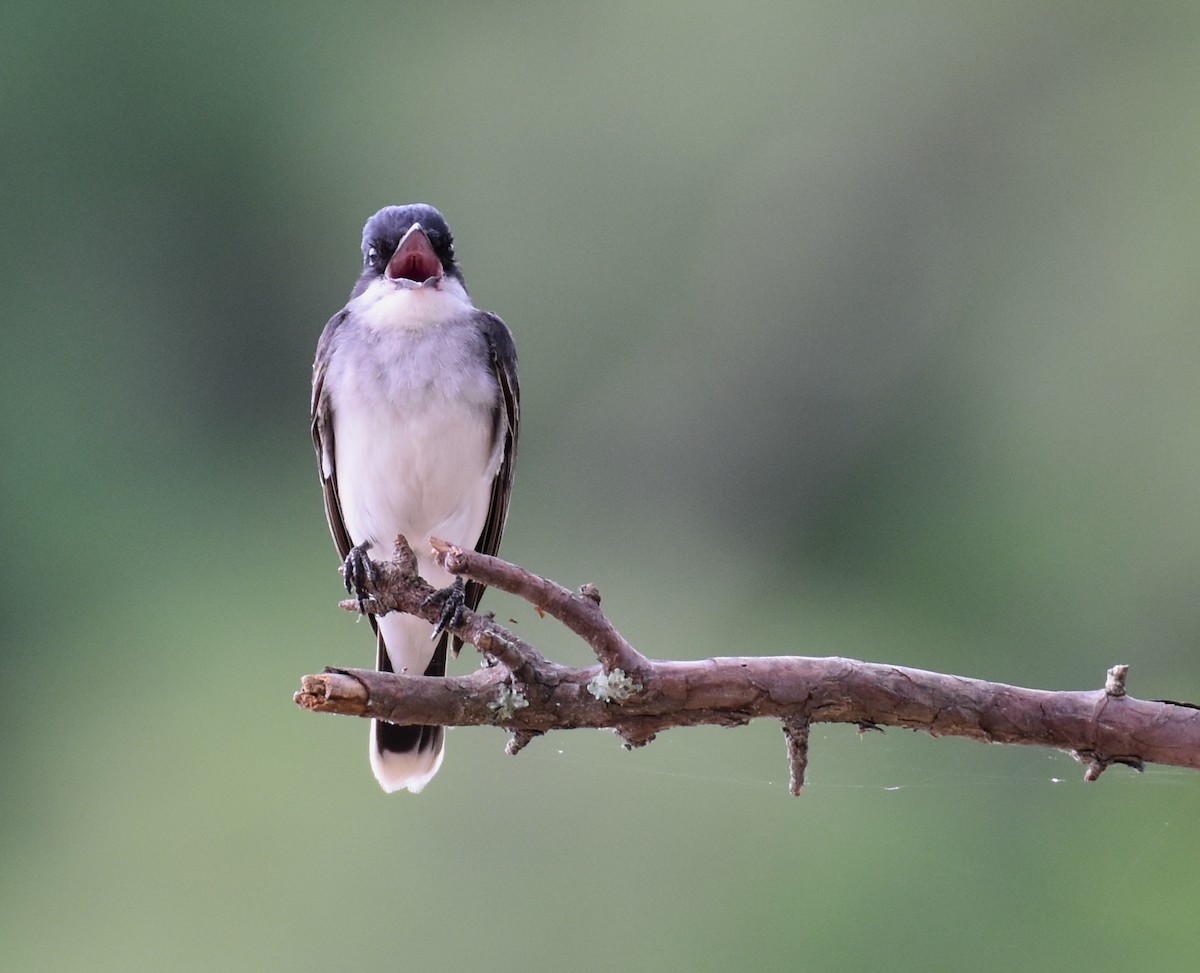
[[357, 571], [454, 599]]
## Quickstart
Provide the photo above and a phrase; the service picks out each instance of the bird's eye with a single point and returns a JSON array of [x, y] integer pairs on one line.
[[372, 255]]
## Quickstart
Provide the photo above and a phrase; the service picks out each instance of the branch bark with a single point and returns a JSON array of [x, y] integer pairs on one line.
[[638, 697]]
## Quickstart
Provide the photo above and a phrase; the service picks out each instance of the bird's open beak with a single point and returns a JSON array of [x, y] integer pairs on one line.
[[414, 259]]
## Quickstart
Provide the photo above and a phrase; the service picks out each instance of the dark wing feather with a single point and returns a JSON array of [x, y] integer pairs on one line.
[[322, 435], [505, 422]]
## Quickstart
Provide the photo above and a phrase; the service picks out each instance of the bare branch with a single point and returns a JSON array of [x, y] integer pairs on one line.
[[529, 695]]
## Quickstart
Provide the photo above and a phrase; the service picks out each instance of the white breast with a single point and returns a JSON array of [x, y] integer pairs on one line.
[[413, 400]]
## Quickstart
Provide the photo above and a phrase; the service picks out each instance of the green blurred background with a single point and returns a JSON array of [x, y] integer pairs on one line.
[[845, 328]]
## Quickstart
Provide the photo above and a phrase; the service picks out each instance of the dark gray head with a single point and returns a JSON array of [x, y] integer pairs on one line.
[[383, 233]]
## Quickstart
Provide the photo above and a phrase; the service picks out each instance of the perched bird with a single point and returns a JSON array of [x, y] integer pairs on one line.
[[415, 408]]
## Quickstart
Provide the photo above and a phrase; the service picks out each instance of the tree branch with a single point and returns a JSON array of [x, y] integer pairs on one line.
[[639, 697]]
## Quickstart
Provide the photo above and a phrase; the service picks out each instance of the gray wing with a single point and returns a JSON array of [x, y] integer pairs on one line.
[[322, 435], [506, 419]]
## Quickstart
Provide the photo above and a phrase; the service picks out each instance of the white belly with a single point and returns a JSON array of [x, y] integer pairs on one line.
[[424, 473]]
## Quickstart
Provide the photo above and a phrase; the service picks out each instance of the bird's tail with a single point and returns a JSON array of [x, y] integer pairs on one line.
[[407, 757]]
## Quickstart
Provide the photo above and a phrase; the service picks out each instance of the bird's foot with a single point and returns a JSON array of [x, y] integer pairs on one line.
[[453, 600], [357, 570]]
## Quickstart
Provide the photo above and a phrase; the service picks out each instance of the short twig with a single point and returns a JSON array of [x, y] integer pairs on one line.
[[580, 613], [795, 732]]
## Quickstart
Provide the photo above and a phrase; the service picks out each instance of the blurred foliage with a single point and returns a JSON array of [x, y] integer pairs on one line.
[[862, 329]]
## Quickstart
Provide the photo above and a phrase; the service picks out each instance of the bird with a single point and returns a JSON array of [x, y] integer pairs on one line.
[[415, 411]]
